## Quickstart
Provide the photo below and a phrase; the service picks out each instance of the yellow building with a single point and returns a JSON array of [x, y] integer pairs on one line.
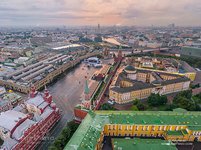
[[163, 65], [130, 84], [169, 125]]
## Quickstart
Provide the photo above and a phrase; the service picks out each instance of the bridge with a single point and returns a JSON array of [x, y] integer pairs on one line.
[[137, 51]]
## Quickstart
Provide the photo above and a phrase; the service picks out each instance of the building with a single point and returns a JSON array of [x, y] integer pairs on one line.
[[24, 126], [173, 126], [164, 65], [9, 100], [130, 84]]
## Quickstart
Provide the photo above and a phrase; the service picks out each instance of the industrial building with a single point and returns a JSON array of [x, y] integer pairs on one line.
[[176, 126], [40, 73], [38, 70]]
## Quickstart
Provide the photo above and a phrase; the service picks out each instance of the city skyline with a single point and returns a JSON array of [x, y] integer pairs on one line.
[[105, 12]]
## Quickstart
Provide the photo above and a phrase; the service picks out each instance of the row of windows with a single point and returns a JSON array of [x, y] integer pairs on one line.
[[145, 128], [135, 135], [197, 133]]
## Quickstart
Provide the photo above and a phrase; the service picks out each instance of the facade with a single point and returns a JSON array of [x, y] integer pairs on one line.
[[130, 84], [169, 125], [163, 65], [24, 126]]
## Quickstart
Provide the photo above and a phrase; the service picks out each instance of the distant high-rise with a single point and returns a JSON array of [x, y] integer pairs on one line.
[[171, 25], [98, 30]]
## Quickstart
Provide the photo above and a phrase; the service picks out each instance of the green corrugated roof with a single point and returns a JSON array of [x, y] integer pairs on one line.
[[196, 127], [177, 133], [142, 144], [89, 131]]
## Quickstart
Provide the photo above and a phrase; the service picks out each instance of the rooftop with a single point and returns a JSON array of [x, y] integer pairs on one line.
[[130, 68], [142, 144], [90, 129], [10, 118]]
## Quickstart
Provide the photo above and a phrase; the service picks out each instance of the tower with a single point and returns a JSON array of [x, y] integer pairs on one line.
[[106, 52], [47, 97], [86, 102], [33, 91], [99, 30]]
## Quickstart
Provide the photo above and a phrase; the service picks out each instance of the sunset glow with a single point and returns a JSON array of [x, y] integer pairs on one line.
[[105, 12]]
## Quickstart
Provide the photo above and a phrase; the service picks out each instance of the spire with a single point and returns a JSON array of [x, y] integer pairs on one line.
[[86, 88], [47, 96], [46, 92]]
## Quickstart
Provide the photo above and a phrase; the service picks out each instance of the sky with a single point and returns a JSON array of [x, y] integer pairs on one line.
[[104, 12]]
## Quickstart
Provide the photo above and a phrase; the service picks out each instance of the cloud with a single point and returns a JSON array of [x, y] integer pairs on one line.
[[105, 12]]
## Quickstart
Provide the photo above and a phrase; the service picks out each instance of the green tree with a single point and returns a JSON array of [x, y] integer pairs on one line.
[[136, 101], [106, 106], [134, 108], [157, 100], [185, 103], [187, 94], [65, 136], [141, 106]]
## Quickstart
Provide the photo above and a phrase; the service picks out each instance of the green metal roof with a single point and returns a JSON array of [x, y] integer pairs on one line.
[[89, 130], [177, 133], [142, 144]]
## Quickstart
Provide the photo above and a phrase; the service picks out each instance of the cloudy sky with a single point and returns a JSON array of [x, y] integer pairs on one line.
[[105, 12]]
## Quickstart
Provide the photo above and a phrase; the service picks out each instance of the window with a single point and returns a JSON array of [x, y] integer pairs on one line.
[[126, 127], [136, 128]]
